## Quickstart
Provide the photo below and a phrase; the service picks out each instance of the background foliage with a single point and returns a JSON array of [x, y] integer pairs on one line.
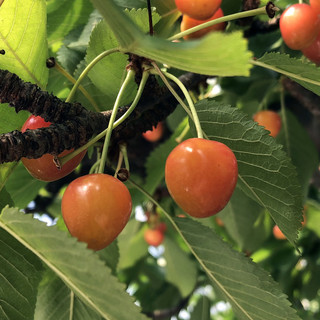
[[205, 269]]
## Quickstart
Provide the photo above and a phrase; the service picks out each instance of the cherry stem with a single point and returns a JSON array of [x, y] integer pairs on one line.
[[123, 149], [189, 100], [183, 133], [142, 84], [158, 72], [126, 82], [87, 69], [66, 74], [119, 164], [235, 16]]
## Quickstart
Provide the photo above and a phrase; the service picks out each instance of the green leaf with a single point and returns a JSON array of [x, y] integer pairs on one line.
[[56, 301], [22, 187], [201, 309], [20, 274], [249, 289], [156, 161], [5, 198], [180, 270], [108, 74], [229, 58], [245, 221], [64, 16], [266, 174], [23, 37], [132, 245], [10, 120], [300, 148], [79, 268], [304, 73], [5, 170]]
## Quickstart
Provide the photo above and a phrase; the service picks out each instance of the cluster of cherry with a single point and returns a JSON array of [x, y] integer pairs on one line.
[[300, 29], [197, 12]]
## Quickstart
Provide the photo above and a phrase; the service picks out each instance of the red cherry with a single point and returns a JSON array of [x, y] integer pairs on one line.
[[96, 208], [153, 237], [201, 176], [155, 134], [200, 9], [299, 26], [44, 168], [270, 120], [188, 23], [162, 227], [313, 51], [315, 4]]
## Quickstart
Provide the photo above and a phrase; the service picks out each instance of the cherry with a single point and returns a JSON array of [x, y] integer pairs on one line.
[[188, 23], [270, 120], [44, 168], [96, 208], [312, 52], [201, 176], [200, 9], [161, 226], [155, 134], [315, 4], [299, 26], [154, 237], [278, 233]]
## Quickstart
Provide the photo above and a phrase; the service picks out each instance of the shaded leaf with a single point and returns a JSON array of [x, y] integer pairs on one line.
[[20, 274], [249, 289], [295, 69], [56, 301], [79, 268], [300, 148], [22, 187], [266, 174], [181, 271], [245, 221], [156, 161], [132, 245]]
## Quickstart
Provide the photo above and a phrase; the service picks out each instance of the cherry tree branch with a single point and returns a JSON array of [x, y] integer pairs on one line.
[[73, 125]]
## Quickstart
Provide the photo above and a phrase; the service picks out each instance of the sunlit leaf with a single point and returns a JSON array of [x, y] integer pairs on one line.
[[73, 264]]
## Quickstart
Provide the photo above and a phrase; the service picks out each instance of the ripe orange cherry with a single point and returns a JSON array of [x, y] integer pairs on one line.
[[270, 120], [315, 4], [44, 168], [278, 233], [96, 208], [201, 176], [188, 23], [155, 134], [153, 237], [312, 52], [200, 9], [299, 26]]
